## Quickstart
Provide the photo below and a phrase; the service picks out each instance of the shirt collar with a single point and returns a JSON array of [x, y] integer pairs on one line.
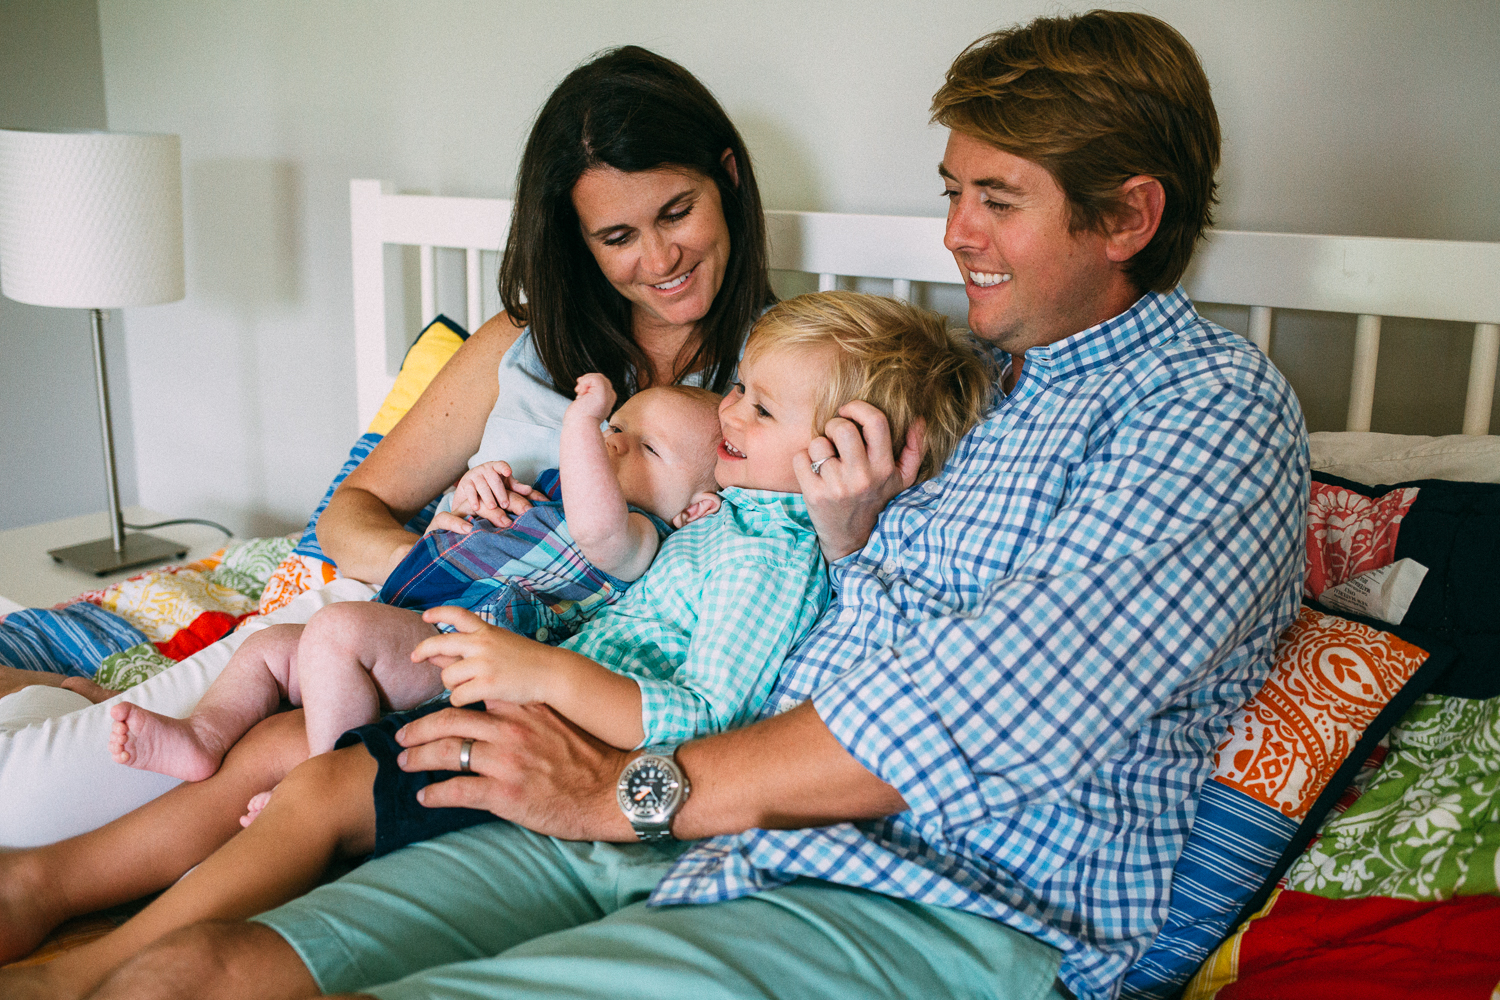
[[769, 504], [1155, 318]]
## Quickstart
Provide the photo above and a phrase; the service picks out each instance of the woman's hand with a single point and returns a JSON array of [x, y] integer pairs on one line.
[[530, 766], [446, 520], [483, 663], [857, 476], [490, 491]]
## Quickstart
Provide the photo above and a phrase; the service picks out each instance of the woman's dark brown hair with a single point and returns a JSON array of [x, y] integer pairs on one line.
[[1096, 99], [632, 110]]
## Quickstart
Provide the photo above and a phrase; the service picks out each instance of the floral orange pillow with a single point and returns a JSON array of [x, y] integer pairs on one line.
[[1336, 686]]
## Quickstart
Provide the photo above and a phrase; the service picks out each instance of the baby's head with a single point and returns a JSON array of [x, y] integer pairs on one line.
[[808, 356], [662, 445]]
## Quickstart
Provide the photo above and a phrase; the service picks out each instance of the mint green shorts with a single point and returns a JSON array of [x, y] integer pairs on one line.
[[495, 911]]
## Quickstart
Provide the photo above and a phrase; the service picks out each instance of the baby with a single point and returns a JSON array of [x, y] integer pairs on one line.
[[557, 564]]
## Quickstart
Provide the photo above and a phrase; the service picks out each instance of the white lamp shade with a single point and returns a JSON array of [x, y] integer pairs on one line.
[[90, 220]]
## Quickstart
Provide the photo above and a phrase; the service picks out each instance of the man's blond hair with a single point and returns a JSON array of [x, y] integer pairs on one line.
[[900, 359]]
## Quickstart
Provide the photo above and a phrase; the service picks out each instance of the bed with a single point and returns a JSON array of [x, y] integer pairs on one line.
[[1356, 800]]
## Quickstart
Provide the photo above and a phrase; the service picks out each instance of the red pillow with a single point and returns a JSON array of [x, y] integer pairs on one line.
[[1349, 533]]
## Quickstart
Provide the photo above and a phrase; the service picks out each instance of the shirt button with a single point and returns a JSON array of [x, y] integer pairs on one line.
[[786, 703], [541, 635], [890, 567]]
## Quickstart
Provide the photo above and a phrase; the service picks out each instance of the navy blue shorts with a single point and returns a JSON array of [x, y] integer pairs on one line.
[[399, 818]]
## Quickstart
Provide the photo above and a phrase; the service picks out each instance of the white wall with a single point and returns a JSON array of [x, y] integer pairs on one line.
[[51, 460], [1373, 118]]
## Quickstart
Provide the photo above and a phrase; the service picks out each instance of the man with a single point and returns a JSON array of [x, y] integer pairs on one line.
[[990, 750]]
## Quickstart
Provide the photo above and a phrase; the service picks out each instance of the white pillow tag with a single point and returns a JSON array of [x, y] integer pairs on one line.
[[1385, 593]]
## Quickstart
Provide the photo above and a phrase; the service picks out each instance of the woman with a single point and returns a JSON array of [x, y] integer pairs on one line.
[[639, 245]]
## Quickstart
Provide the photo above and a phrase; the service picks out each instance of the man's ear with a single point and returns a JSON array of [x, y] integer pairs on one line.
[[1137, 214], [730, 166], [702, 505]]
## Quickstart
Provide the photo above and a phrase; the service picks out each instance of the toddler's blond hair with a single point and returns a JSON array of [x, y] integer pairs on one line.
[[900, 359]]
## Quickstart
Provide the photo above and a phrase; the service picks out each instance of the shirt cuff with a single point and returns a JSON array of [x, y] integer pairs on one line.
[[669, 716]]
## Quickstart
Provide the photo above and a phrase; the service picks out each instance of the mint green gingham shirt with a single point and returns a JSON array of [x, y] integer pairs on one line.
[[704, 631]]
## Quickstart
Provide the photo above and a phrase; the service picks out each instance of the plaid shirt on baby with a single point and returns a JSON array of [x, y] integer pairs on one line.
[[1040, 648], [705, 630], [530, 578]]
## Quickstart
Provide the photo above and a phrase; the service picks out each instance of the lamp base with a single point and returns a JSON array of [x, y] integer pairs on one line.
[[101, 559]]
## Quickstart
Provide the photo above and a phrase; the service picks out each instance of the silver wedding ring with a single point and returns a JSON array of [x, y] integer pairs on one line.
[[817, 467], [463, 756]]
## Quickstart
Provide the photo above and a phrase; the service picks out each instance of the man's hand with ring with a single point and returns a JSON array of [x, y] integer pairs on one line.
[[527, 764]]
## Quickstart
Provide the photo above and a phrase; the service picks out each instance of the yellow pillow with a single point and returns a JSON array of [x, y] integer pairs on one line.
[[433, 347]]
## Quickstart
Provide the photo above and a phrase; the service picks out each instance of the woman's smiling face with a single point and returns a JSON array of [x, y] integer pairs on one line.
[[660, 238], [767, 417]]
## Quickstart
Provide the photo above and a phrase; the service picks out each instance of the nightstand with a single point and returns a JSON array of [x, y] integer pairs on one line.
[[30, 579]]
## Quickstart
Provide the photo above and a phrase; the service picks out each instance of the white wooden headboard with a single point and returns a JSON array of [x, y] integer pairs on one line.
[[1368, 277]]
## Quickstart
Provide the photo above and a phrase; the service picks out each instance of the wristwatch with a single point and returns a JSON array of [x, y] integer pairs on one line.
[[651, 790]]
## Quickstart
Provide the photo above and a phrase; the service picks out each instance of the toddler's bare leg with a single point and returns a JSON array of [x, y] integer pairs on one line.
[[251, 686], [355, 657], [323, 810], [144, 850]]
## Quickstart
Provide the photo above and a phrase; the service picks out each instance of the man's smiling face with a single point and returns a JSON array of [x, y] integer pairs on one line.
[[1029, 280]]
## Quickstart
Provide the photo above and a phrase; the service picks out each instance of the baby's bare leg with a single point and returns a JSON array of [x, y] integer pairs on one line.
[[355, 657], [144, 850], [251, 686], [323, 810]]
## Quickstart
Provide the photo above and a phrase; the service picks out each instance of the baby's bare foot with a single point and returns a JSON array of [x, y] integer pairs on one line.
[[256, 806], [158, 743], [93, 692]]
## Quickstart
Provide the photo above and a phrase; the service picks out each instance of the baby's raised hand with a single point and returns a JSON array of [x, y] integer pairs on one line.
[[594, 398], [490, 491]]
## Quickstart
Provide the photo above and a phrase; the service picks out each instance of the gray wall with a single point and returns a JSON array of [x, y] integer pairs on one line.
[[1365, 117], [51, 461]]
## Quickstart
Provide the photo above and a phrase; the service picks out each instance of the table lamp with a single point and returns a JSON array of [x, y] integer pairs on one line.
[[93, 220]]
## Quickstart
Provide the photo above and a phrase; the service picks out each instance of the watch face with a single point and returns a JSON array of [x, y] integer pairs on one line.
[[649, 790]]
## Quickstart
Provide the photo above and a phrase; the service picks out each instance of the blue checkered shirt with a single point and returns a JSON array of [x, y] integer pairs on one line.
[[1040, 648]]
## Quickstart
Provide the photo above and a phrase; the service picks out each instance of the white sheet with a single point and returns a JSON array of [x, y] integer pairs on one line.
[[1381, 459]]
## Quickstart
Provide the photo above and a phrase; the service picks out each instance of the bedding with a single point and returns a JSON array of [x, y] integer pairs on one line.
[[1396, 895], [163, 635]]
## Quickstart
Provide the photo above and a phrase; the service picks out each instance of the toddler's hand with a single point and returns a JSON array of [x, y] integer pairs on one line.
[[481, 662], [490, 491], [595, 398]]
